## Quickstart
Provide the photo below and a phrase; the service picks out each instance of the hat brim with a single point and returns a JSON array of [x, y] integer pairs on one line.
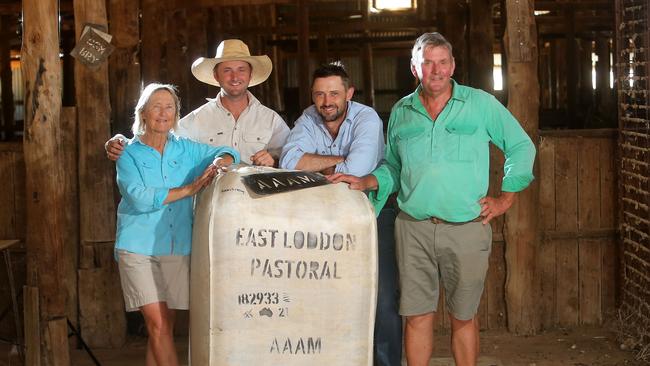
[[203, 67]]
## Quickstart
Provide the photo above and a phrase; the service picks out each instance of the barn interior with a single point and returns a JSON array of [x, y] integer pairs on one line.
[[574, 252]]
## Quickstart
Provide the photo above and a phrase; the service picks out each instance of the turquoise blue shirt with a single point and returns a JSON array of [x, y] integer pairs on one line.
[[360, 140], [144, 224], [441, 168]]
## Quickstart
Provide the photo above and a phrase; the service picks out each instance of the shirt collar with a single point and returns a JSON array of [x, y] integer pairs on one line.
[[251, 100], [458, 92], [137, 139]]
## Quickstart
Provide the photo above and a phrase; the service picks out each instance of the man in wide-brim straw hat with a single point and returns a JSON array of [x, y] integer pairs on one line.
[[235, 117]]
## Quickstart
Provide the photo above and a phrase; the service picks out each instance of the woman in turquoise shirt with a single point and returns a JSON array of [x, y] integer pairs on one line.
[[157, 176]]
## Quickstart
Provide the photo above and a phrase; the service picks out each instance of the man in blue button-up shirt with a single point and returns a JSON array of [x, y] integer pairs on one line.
[[337, 135]]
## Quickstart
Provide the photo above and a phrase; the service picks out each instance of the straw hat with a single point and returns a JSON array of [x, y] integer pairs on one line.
[[232, 50]]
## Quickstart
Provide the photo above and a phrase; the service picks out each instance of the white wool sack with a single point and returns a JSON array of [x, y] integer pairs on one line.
[[282, 279]]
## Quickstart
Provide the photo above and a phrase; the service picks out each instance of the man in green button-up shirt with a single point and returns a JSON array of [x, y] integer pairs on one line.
[[437, 159]]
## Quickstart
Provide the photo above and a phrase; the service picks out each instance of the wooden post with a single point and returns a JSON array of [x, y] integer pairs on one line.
[[303, 55], [481, 40], [5, 79], [571, 59], [44, 172], [520, 231], [124, 66], [368, 79], [454, 28], [153, 40], [103, 323]]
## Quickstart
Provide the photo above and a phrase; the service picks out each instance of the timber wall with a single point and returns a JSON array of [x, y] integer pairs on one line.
[[578, 253]]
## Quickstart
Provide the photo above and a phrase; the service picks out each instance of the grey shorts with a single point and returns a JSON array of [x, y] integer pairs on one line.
[[148, 279], [455, 254]]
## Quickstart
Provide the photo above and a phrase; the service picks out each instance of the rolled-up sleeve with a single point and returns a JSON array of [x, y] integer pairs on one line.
[[299, 142], [278, 136], [367, 147], [519, 150], [132, 188]]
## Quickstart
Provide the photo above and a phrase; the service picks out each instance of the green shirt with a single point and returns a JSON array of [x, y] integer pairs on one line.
[[441, 168]]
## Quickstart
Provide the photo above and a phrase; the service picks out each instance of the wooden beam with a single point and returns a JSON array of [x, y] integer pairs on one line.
[[32, 326], [481, 40], [571, 58], [521, 221], [124, 65], [44, 171], [5, 79], [303, 55], [154, 37], [454, 28], [368, 79], [102, 324]]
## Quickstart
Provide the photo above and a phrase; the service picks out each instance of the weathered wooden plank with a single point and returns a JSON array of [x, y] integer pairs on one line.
[[303, 53], [521, 220], [589, 273], [610, 276], [124, 65], [568, 304], [56, 341], [197, 47], [7, 197], [32, 326], [20, 200], [496, 279], [548, 270], [102, 295], [42, 76], [68, 146], [481, 40], [96, 187], [566, 184], [5, 78], [176, 59], [608, 196], [154, 33], [566, 197], [588, 184], [547, 182]]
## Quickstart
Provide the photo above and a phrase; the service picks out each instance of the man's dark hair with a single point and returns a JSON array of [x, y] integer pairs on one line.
[[335, 68]]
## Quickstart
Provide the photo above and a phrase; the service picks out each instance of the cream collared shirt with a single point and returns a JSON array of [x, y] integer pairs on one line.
[[258, 128]]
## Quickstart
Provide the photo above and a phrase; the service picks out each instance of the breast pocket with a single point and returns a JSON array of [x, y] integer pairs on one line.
[[414, 146], [257, 140], [459, 142]]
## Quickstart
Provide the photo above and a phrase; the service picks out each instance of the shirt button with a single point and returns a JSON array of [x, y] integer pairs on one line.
[[170, 210], [165, 177], [170, 225], [228, 114], [211, 140], [334, 145]]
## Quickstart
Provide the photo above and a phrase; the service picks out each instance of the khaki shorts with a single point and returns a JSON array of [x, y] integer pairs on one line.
[[148, 279], [455, 254]]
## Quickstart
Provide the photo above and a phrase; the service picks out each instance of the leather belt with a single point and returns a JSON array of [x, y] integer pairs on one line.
[[436, 220]]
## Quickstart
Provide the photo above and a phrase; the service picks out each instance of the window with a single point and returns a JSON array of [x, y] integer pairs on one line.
[[497, 72], [379, 5]]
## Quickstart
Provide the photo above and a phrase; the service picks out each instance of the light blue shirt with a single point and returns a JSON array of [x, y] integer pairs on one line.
[[144, 224], [360, 140]]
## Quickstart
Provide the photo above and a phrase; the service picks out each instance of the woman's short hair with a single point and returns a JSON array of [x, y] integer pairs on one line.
[[138, 121], [433, 39]]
